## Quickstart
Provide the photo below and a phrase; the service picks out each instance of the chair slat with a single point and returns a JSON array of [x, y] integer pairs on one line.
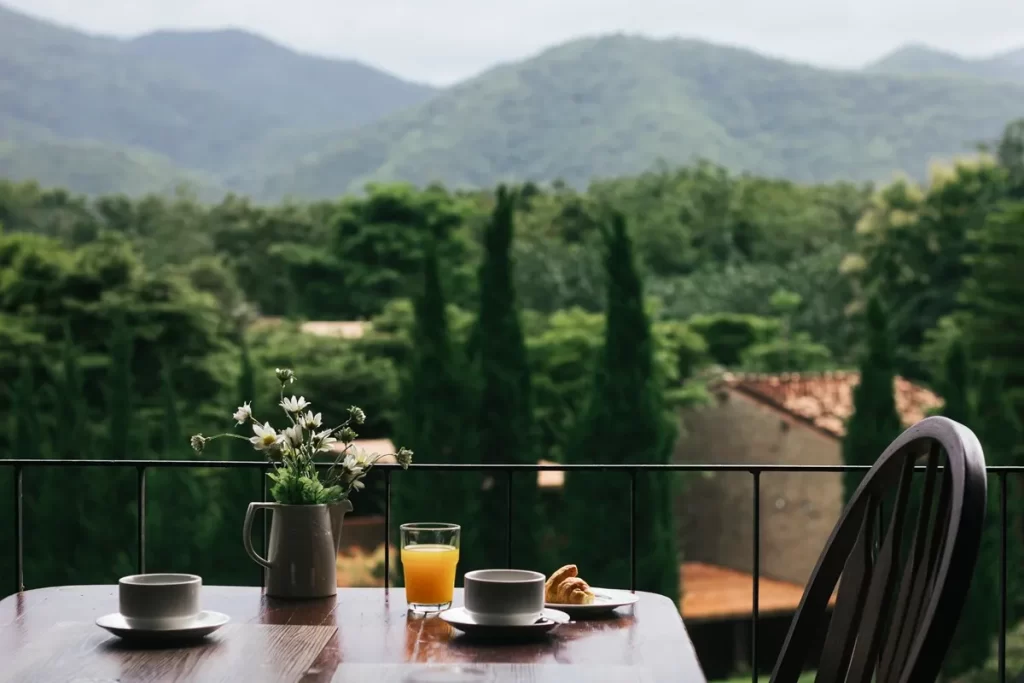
[[902, 627], [842, 630], [879, 594]]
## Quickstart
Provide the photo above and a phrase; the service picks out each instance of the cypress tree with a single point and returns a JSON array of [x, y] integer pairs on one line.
[[623, 422], [72, 441], [119, 391], [171, 433], [979, 622], [994, 299], [26, 442], [116, 485], [506, 429], [432, 421], [875, 422]]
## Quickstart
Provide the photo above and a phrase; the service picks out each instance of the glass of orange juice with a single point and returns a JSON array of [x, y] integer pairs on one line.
[[430, 551]]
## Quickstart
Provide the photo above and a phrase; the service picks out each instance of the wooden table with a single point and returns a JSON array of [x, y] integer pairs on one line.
[[364, 634]]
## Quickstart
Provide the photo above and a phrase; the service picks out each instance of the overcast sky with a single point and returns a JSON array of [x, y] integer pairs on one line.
[[442, 41]]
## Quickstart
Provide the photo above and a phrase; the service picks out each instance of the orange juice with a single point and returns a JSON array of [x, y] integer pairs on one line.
[[429, 573]]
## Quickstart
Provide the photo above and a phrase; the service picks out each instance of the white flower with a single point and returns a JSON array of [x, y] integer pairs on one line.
[[351, 463], [294, 435], [198, 442], [265, 438], [404, 457], [284, 375], [294, 405], [311, 421], [357, 415], [323, 440], [361, 457], [243, 414]]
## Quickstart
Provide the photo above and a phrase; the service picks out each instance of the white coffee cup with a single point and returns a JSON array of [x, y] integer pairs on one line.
[[504, 597], [159, 601]]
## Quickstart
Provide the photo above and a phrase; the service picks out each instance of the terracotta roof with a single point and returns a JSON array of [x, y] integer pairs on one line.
[[826, 399], [344, 329]]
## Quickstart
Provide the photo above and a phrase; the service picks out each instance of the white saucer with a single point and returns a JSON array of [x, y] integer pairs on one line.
[[463, 620], [203, 625], [605, 600]]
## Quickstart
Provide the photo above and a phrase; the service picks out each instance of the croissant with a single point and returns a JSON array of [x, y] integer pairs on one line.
[[551, 587], [566, 588], [574, 591]]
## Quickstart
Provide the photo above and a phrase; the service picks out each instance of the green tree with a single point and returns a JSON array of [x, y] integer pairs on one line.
[[119, 390], [433, 418], [623, 422], [979, 622], [506, 431], [994, 299], [1001, 435], [875, 422]]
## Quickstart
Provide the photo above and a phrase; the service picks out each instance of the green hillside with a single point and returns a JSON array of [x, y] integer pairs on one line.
[[921, 60], [248, 115], [203, 100], [616, 105], [95, 168]]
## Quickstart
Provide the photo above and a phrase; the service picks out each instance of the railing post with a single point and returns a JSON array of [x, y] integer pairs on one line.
[[19, 548], [387, 531], [632, 530], [757, 575], [140, 501], [266, 496], [1002, 577], [508, 518]]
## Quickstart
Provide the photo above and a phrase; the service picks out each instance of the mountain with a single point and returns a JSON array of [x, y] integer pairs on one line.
[[615, 105], [97, 168], [924, 60], [203, 100], [298, 90], [228, 110]]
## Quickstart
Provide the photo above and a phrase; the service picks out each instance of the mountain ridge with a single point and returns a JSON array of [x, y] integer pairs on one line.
[[617, 104], [236, 111]]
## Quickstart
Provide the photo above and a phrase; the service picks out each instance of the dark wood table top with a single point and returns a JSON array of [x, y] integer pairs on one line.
[[364, 634]]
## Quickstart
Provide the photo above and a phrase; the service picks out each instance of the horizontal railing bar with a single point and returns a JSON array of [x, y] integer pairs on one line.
[[481, 467]]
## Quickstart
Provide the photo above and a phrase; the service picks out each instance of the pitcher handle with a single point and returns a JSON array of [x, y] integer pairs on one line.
[[247, 531]]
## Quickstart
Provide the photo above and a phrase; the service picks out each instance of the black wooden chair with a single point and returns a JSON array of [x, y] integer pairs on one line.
[[900, 594]]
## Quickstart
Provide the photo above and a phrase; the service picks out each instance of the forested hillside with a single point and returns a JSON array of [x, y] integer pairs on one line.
[[924, 60], [228, 109]]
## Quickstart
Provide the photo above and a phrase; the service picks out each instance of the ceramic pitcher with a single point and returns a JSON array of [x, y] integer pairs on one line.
[[302, 550]]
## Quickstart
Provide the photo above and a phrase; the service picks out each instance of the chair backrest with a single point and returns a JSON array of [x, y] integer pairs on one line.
[[902, 580]]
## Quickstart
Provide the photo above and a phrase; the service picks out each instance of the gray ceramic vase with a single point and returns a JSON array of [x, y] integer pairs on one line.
[[303, 547]]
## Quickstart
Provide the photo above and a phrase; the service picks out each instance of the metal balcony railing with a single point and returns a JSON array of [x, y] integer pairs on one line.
[[630, 471]]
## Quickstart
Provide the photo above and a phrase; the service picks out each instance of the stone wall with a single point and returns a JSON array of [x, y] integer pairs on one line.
[[714, 512]]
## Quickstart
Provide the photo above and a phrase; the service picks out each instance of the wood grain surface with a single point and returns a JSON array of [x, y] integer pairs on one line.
[[364, 634]]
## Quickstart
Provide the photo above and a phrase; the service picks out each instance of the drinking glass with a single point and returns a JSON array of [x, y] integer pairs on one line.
[[430, 551]]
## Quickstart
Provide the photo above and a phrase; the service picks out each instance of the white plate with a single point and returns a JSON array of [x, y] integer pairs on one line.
[[605, 601], [203, 625], [463, 620]]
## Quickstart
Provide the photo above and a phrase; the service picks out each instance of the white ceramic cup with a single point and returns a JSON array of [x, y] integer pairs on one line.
[[504, 597], [159, 601]]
